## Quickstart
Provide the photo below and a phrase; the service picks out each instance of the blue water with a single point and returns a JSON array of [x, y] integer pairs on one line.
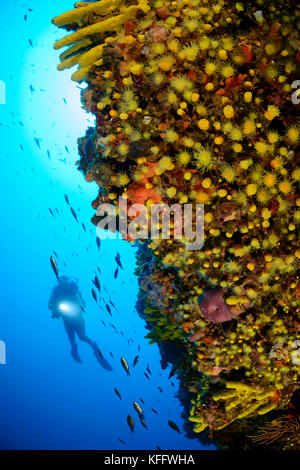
[[47, 400]]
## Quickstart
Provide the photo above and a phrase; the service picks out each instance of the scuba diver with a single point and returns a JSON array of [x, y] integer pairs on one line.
[[67, 303]]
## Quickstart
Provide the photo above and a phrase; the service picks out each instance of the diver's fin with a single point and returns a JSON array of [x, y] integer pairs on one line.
[[102, 361], [75, 355]]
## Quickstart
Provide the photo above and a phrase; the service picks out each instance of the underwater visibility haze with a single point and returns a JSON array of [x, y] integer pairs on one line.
[[150, 344]]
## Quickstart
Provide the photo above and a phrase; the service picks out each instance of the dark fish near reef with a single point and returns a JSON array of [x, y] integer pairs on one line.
[[74, 214], [138, 409], [94, 295], [154, 411], [118, 393], [148, 369], [146, 375], [54, 267], [125, 365], [122, 442], [173, 426], [98, 243], [173, 372], [108, 309], [130, 422], [118, 260], [83, 226], [97, 283], [142, 401], [160, 389], [136, 360], [67, 199], [143, 423], [116, 273], [100, 353]]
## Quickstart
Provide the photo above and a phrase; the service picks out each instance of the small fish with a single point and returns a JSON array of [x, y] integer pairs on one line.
[[74, 214], [94, 295], [48, 154], [25, 17], [154, 411], [108, 309], [146, 375], [51, 212], [158, 448], [122, 442], [67, 150], [97, 283], [136, 360], [143, 423], [173, 372], [100, 353], [148, 369], [173, 426], [130, 422], [142, 401], [65, 101], [83, 226], [54, 266], [111, 354], [32, 89], [98, 243], [116, 273], [30, 42], [37, 142], [67, 199], [160, 389], [138, 409], [118, 393], [125, 365], [118, 260]]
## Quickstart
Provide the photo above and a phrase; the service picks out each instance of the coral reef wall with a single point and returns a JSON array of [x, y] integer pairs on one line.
[[196, 102]]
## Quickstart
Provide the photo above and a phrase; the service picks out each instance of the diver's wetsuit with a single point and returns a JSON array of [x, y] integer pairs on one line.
[[68, 291]]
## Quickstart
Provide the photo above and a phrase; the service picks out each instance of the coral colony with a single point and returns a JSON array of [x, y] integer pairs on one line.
[[193, 104]]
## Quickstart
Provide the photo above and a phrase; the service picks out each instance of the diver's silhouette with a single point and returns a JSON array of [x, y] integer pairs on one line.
[[67, 303]]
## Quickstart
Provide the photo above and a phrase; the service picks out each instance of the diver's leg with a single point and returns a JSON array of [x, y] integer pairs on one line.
[[70, 330], [80, 330]]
